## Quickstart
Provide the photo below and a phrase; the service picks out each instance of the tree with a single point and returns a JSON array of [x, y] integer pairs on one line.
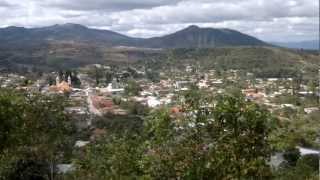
[[312, 86], [228, 140], [154, 76], [112, 158], [306, 167], [35, 135], [132, 88], [75, 79], [225, 142], [50, 80], [61, 75], [96, 73], [242, 129], [109, 77], [291, 156]]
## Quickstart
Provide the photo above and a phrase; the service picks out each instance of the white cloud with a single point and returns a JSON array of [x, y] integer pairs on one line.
[[108, 5], [4, 3]]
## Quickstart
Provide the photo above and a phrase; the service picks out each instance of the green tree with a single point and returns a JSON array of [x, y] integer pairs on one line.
[[109, 77], [215, 138], [35, 135], [75, 79], [154, 76], [306, 167], [113, 158], [312, 86], [225, 142], [132, 88]]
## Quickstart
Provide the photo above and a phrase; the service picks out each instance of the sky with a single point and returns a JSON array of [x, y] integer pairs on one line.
[[268, 20]]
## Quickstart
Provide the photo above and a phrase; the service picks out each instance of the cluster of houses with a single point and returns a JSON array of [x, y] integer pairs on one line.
[[11, 80], [87, 100], [99, 100]]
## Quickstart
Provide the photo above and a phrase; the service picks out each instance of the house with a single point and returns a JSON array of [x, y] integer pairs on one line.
[[272, 79], [217, 81], [203, 84], [100, 102], [80, 144], [181, 84], [76, 110], [111, 89], [305, 93], [153, 102], [307, 151], [311, 110], [65, 168], [189, 69], [288, 106], [62, 87]]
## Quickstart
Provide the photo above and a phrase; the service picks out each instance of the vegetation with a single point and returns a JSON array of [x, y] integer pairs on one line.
[[225, 142], [32, 143], [264, 62], [132, 88], [222, 137]]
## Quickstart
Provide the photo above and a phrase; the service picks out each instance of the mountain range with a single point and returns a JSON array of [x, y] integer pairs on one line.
[[191, 37], [73, 45]]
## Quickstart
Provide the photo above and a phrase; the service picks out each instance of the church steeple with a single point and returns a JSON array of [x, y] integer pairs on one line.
[[69, 80], [57, 80]]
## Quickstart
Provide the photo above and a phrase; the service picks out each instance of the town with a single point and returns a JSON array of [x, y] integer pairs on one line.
[[99, 90]]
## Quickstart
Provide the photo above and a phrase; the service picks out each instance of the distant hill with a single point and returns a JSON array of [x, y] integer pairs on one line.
[[191, 37], [66, 32], [196, 37], [310, 45]]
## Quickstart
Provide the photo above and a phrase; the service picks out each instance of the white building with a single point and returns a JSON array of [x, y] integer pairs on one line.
[[153, 102]]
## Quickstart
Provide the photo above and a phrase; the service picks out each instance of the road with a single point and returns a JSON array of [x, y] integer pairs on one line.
[[92, 109]]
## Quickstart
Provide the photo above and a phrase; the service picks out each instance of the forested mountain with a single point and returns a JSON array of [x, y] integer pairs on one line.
[[196, 37], [66, 32]]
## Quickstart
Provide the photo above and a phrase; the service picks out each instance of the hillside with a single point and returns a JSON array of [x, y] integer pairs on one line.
[[263, 61], [196, 37], [67, 32]]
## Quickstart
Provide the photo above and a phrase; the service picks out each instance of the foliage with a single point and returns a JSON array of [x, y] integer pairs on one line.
[[306, 168], [226, 141], [302, 131], [291, 156], [109, 77], [132, 88], [31, 141], [153, 76], [113, 158], [115, 124]]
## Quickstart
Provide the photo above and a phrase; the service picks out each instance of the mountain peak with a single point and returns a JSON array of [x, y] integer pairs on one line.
[[193, 27], [197, 37], [69, 26], [72, 25], [14, 27]]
